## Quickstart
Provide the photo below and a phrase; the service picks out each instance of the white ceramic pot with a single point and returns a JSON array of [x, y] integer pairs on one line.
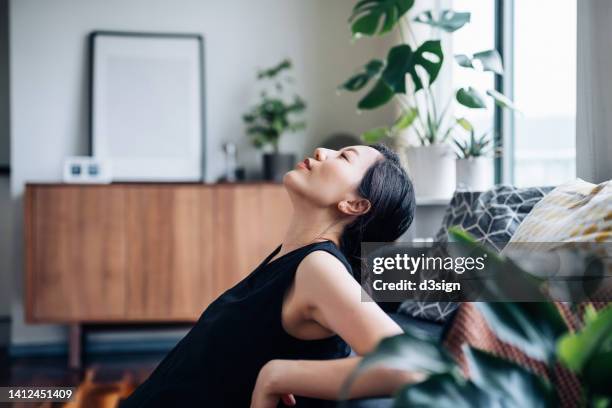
[[432, 170], [475, 173]]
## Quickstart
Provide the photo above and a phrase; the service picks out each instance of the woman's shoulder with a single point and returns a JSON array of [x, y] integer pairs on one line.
[[322, 276], [324, 263], [326, 255]]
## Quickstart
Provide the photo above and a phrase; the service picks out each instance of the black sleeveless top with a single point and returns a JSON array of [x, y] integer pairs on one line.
[[217, 362]]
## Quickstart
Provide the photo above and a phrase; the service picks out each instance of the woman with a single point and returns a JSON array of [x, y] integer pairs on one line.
[[281, 334]]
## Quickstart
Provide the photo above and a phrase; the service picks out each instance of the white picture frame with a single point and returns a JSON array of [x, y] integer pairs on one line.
[[147, 105]]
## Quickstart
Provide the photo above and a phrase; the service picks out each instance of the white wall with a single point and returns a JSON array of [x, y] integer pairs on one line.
[[49, 94]]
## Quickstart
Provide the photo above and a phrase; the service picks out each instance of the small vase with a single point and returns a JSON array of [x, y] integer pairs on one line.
[[432, 170], [275, 165], [475, 173]]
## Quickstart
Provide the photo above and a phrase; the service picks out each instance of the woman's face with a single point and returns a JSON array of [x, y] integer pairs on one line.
[[331, 176]]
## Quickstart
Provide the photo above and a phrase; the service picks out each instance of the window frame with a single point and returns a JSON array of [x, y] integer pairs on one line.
[[503, 119]]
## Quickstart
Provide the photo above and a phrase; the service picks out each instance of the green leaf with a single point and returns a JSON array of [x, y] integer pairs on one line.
[[589, 351], [401, 60], [465, 124], [501, 99], [359, 80], [463, 151], [275, 70], [590, 314], [532, 327], [470, 98], [377, 17], [448, 20], [380, 94], [374, 135], [510, 382], [491, 61], [464, 61], [444, 391], [597, 375], [405, 120], [408, 352], [576, 350]]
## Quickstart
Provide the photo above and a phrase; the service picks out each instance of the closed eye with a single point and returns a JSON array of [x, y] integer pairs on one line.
[[344, 156]]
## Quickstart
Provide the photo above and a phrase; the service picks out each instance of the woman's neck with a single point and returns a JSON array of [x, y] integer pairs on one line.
[[309, 225]]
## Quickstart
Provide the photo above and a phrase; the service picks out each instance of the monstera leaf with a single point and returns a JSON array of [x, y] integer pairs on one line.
[[405, 352], [359, 80], [444, 391], [371, 17], [380, 94], [402, 60], [470, 98], [501, 99], [490, 61], [533, 327], [516, 386], [447, 20]]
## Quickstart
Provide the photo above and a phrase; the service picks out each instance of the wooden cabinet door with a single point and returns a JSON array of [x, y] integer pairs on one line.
[[238, 228], [276, 213], [75, 246], [167, 252], [249, 223], [145, 252]]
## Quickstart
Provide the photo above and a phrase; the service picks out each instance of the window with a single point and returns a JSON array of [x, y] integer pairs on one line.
[[539, 51], [544, 87], [478, 35]]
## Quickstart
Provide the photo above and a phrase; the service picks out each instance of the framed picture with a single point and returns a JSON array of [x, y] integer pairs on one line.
[[147, 105]]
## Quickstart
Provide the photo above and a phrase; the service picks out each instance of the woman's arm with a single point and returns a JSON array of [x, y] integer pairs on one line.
[[329, 295], [323, 379]]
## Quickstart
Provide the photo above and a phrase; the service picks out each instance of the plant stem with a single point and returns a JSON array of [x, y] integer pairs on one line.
[[414, 39], [401, 31]]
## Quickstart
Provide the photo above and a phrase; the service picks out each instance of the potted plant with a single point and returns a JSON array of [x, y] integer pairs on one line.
[[273, 116], [474, 166], [407, 75]]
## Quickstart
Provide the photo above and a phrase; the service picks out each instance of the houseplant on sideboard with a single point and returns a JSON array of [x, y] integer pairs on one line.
[[407, 75], [273, 116]]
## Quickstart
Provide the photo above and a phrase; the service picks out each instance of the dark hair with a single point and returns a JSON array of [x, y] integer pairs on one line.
[[391, 194]]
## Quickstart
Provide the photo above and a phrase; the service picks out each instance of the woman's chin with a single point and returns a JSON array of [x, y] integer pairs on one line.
[[294, 180], [289, 178]]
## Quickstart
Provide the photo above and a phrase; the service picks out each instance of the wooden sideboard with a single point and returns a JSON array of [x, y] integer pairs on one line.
[[134, 253]]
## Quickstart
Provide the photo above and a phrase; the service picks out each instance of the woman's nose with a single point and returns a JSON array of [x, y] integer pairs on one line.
[[321, 153]]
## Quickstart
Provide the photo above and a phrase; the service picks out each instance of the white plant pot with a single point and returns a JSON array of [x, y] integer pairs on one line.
[[475, 173], [432, 170]]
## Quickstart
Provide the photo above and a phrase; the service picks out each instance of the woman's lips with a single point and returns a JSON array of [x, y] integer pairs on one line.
[[305, 164]]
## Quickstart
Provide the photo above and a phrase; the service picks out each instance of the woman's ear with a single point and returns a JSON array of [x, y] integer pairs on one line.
[[355, 207]]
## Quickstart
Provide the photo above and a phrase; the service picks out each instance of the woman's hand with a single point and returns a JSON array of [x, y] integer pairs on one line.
[[266, 394]]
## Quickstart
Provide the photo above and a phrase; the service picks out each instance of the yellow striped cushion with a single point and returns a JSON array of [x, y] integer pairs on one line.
[[576, 211]]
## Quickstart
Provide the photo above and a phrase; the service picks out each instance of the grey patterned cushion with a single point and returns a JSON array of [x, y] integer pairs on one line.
[[492, 217]]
